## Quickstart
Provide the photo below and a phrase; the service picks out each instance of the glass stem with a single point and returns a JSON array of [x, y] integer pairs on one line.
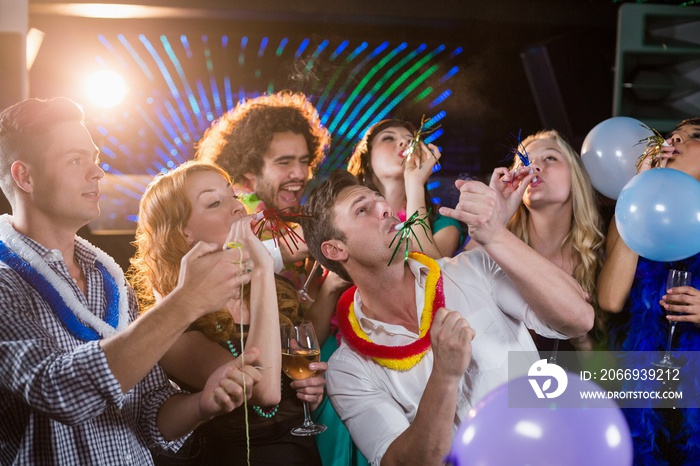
[[555, 349], [307, 416], [667, 356], [311, 275]]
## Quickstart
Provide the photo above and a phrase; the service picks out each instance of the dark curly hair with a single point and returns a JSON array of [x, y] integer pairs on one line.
[[238, 140]]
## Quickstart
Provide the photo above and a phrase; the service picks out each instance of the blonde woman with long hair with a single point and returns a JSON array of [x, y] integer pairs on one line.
[[552, 207]]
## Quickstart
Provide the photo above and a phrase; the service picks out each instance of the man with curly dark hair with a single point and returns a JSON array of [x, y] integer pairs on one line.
[[269, 145]]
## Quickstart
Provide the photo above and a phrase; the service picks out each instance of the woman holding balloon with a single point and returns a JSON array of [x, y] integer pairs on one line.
[[655, 230], [617, 276]]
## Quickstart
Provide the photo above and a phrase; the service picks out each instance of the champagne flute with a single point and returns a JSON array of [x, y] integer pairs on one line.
[[299, 349], [675, 279], [554, 355]]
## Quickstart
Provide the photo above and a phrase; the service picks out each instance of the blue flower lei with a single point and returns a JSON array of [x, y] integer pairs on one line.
[[645, 329], [53, 298]]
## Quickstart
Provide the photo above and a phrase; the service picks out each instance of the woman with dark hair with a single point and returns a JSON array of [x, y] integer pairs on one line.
[[381, 163], [633, 289]]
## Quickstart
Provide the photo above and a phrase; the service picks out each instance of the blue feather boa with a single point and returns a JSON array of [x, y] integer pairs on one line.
[[646, 329]]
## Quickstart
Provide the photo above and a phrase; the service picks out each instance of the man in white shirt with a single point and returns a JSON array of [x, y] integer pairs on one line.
[[409, 368]]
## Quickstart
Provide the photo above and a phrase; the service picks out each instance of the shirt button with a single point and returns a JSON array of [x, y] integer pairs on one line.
[[127, 457]]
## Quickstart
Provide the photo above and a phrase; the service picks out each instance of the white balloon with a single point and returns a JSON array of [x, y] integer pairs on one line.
[[610, 152]]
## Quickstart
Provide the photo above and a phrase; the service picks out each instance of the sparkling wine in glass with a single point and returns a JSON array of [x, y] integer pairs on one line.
[[299, 349], [675, 279]]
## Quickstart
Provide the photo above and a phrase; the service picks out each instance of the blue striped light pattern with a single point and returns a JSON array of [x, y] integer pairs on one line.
[[183, 83]]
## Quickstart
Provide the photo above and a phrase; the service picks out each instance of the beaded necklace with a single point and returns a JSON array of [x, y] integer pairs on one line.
[[262, 412]]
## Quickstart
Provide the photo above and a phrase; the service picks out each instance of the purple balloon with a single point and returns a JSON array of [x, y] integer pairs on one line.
[[496, 435]]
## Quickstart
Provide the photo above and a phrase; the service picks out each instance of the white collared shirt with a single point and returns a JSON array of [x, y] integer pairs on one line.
[[377, 404]]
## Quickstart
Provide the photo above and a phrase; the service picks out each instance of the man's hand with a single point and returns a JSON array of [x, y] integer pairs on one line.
[[427, 439], [209, 277], [451, 339], [481, 208]]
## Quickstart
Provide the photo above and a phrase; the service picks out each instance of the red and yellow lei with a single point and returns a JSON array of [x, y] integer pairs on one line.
[[400, 358]]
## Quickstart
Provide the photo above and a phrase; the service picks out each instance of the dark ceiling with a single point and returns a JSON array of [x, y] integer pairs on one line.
[[491, 99], [446, 13]]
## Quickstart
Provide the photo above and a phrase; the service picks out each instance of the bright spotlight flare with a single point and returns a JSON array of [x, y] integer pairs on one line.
[[105, 88], [404, 232]]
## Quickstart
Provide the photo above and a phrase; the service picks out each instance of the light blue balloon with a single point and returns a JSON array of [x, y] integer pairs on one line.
[[610, 152], [658, 215]]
